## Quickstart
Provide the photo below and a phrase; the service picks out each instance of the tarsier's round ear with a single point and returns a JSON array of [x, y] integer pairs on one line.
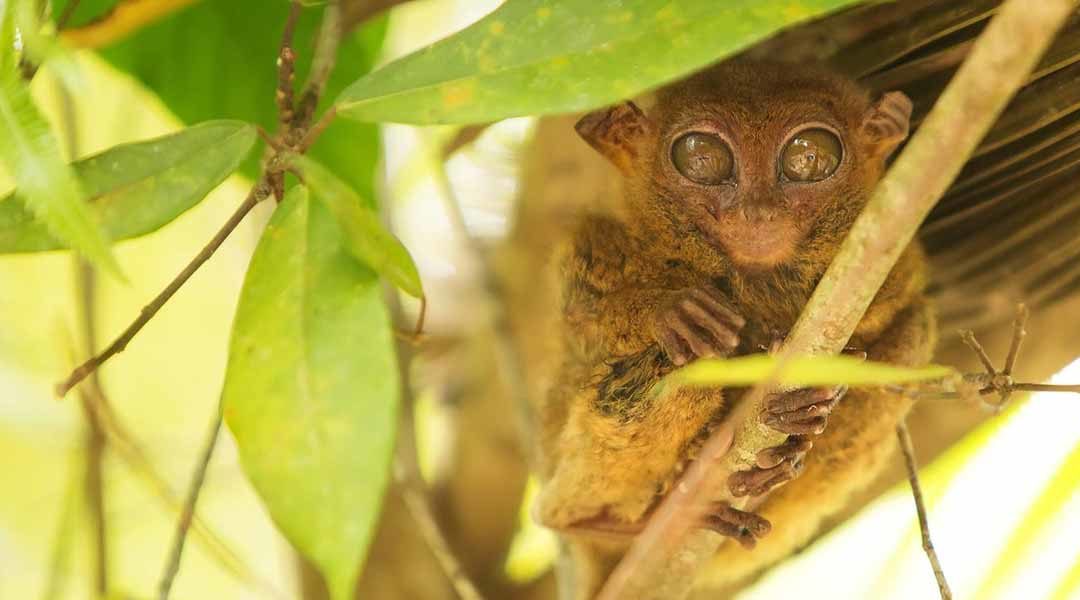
[[887, 122], [616, 132]]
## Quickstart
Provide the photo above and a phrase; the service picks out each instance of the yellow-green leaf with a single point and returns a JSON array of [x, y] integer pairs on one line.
[[549, 56], [364, 234], [135, 189], [802, 371], [311, 388]]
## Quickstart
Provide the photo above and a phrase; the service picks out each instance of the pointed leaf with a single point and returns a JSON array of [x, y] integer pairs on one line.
[[548, 56], [46, 183], [803, 371], [135, 189], [311, 389], [364, 233]]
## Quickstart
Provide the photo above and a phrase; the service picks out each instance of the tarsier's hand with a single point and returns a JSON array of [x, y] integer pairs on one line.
[[697, 323], [799, 413]]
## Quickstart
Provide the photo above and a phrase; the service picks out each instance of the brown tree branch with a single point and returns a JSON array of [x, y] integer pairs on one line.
[[258, 192], [665, 557], [908, 450], [172, 566]]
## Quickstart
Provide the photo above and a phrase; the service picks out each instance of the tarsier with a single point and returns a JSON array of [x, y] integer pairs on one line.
[[739, 185]]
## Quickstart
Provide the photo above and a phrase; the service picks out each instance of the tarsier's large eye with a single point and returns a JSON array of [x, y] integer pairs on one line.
[[812, 155], [703, 158]]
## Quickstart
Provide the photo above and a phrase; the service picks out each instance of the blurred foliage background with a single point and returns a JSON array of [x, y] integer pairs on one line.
[[1004, 501]]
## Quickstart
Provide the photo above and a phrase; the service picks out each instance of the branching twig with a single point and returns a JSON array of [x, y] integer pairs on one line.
[[924, 525], [258, 192], [665, 557], [188, 511]]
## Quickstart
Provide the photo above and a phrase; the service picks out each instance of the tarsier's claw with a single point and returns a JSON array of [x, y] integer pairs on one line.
[[775, 466], [745, 527], [801, 412], [697, 324]]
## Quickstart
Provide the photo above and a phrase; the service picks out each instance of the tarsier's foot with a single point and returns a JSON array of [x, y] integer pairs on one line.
[[697, 323], [801, 412], [745, 527], [775, 466]]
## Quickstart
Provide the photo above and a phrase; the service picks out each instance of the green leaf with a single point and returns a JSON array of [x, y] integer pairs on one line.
[[364, 234], [550, 56], [227, 71], [802, 371], [135, 189], [311, 388], [46, 183]]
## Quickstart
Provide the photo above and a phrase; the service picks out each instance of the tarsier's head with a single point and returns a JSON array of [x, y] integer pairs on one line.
[[751, 158]]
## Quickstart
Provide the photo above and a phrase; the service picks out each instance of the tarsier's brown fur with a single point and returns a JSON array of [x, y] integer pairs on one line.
[[609, 448]]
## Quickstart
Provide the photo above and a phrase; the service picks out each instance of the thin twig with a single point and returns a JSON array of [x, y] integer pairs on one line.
[[322, 64], [313, 134], [187, 513], [258, 192], [96, 441], [414, 491], [664, 559], [93, 478], [908, 451], [969, 339], [287, 68], [1019, 332], [415, 495]]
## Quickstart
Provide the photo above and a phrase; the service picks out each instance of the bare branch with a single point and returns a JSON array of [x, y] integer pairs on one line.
[[908, 450], [258, 192], [322, 64], [188, 511], [664, 559], [286, 63]]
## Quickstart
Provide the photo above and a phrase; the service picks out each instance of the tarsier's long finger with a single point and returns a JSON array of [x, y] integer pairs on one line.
[[720, 330], [677, 350], [792, 448], [696, 339], [745, 527], [710, 303], [812, 426], [784, 402]]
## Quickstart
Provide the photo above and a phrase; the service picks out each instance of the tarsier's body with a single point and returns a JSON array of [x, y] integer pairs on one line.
[[739, 185]]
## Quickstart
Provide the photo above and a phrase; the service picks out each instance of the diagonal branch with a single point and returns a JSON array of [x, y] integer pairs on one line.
[[908, 450], [665, 557]]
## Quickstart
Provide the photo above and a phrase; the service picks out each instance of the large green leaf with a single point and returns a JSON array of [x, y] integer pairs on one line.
[[311, 389], [364, 233], [216, 60], [28, 149], [548, 56], [802, 371], [137, 188]]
